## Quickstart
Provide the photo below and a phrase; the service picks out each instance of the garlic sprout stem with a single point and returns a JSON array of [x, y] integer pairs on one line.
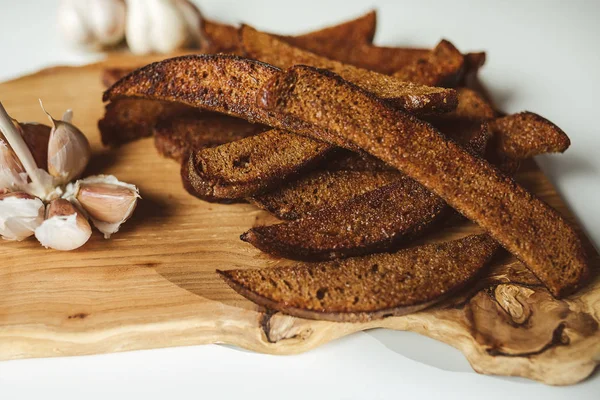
[[20, 148]]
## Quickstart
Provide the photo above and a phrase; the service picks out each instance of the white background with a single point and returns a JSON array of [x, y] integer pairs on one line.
[[542, 56]]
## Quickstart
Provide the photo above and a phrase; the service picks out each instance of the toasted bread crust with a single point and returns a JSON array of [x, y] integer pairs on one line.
[[176, 137], [366, 288], [320, 189], [442, 67], [410, 96], [526, 134], [125, 119], [236, 170], [513, 216]]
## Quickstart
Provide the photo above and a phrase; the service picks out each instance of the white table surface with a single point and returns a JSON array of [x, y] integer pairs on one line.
[[542, 56]]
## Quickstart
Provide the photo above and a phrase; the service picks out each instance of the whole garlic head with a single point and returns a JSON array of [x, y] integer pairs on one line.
[[92, 23], [20, 215]]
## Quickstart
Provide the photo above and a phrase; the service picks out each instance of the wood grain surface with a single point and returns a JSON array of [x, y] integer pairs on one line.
[[154, 283]]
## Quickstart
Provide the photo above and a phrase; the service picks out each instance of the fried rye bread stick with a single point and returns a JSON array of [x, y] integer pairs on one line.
[[176, 137], [526, 226], [222, 83], [350, 175], [443, 66], [376, 221], [365, 288], [267, 48]]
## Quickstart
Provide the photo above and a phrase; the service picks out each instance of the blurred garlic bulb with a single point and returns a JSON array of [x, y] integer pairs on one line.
[[194, 22], [12, 173], [68, 149], [92, 23], [20, 215], [162, 26], [107, 201], [65, 228]]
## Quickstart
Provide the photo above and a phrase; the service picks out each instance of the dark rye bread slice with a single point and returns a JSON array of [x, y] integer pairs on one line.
[[222, 83], [365, 288], [176, 137], [320, 189], [526, 226], [230, 84], [235, 170], [348, 175], [442, 67], [526, 134], [412, 97], [379, 220], [376, 221], [126, 119]]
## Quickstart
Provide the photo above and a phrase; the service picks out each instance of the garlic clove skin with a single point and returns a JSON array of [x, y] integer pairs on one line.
[[92, 24], [12, 173], [36, 137], [154, 26], [106, 200], [20, 215], [69, 151], [65, 228]]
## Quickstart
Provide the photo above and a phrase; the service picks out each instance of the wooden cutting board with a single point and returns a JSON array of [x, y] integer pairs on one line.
[[153, 285]]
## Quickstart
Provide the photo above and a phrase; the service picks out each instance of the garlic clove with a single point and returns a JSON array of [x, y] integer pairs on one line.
[[107, 201], [20, 215], [68, 150], [12, 173], [106, 19], [154, 26], [65, 228]]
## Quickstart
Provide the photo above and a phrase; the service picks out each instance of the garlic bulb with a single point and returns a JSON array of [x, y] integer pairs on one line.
[[65, 228], [12, 173], [194, 22], [92, 23], [20, 215], [106, 200], [155, 26], [68, 149]]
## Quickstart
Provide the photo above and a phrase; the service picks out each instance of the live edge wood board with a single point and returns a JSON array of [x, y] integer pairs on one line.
[[154, 284]]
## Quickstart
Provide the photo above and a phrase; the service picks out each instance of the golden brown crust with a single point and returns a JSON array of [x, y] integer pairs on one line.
[[376, 221], [521, 222], [412, 97], [526, 134], [251, 165], [366, 288], [442, 67], [320, 189], [176, 137], [125, 119]]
